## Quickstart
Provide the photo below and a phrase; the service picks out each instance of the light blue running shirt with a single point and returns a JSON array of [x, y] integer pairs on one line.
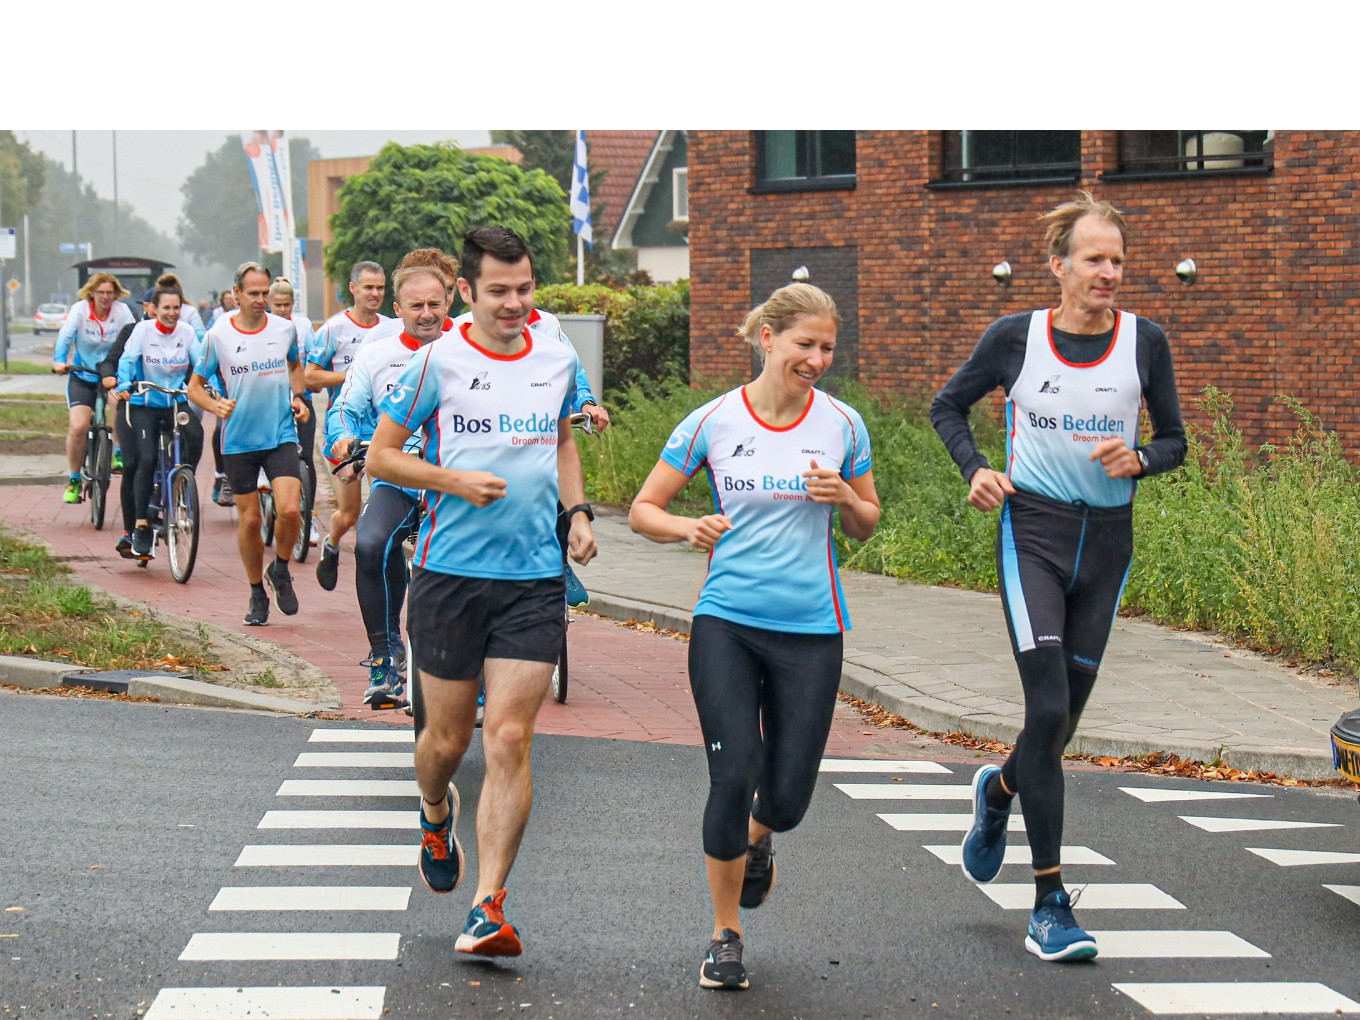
[[253, 368], [155, 355], [92, 337], [481, 411], [776, 569]]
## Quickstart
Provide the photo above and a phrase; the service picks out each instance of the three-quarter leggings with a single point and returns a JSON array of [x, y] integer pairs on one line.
[[765, 700], [140, 440], [389, 517], [1062, 568]]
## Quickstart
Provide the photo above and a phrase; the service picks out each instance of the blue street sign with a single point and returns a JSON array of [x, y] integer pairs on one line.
[[66, 248]]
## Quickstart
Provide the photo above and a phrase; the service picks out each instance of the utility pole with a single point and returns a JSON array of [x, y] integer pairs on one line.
[[4, 295], [115, 192]]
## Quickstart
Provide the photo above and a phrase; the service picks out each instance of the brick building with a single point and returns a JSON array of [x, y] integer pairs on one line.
[[904, 228]]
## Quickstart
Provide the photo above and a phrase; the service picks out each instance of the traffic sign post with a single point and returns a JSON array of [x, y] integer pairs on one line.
[[7, 251]]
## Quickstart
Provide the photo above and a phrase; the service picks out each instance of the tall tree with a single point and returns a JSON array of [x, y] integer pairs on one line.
[[220, 221], [429, 195], [22, 172]]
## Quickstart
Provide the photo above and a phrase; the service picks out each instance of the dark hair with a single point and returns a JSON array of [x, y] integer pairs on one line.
[[501, 243], [163, 290]]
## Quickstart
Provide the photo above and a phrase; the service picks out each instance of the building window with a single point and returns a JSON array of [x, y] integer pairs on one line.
[[980, 157], [1170, 152], [804, 160], [680, 193]]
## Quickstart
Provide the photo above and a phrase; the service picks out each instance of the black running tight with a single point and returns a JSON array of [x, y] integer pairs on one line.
[[389, 517]]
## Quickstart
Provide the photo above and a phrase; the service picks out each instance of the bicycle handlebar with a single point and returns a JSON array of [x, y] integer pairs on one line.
[[143, 386]]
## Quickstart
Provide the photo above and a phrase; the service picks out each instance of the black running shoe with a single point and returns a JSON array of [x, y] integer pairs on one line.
[[758, 882], [124, 546], [142, 542], [328, 569], [277, 577], [722, 967], [258, 613]]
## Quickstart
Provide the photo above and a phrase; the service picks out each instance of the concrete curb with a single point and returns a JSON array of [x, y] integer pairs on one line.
[[942, 716]]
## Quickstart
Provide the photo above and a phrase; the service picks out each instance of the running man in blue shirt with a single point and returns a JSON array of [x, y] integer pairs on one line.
[[256, 355], [487, 588], [765, 648]]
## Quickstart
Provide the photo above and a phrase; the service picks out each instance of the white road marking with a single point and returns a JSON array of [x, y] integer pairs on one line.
[[344, 736], [1351, 892], [313, 897], [1254, 997], [1175, 944], [867, 765], [349, 788], [1095, 896], [923, 822], [1018, 853], [355, 760], [409, 819], [1214, 824], [904, 791], [287, 945], [1153, 795], [324, 1002], [325, 856], [1294, 858]]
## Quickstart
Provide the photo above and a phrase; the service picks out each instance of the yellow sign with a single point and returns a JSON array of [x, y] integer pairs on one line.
[[13, 285]]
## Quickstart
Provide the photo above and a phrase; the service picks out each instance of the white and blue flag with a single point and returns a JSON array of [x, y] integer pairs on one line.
[[580, 192]]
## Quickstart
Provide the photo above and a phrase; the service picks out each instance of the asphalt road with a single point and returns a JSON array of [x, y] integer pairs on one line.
[[125, 822]]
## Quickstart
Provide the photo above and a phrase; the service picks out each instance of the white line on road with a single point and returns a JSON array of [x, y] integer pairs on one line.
[[1214, 824], [325, 1002], [904, 791], [1094, 896], [1254, 997], [1351, 892], [409, 819], [1017, 853], [1152, 795], [1294, 858], [291, 945], [1177, 944], [923, 822], [868, 765], [355, 760], [349, 788], [313, 897], [327, 855], [344, 736]]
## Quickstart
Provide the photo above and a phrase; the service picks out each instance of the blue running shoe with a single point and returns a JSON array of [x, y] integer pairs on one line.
[[487, 933], [441, 855], [385, 686], [397, 649], [1054, 933], [984, 847], [576, 591]]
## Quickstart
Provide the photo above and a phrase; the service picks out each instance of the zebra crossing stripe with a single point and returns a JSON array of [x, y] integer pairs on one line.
[[355, 760], [312, 897], [1152, 795], [351, 736], [409, 819], [1222, 997], [1294, 858], [288, 945], [1017, 853], [1350, 892], [1094, 896], [884, 766], [905, 791], [326, 856], [1175, 944], [925, 822], [349, 788], [1215, 824], [324, 1002]]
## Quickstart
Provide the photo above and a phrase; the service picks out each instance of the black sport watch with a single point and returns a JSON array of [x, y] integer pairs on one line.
[[580, 508]]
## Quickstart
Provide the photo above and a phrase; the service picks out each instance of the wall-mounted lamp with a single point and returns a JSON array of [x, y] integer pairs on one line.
[[801, 275], [1185, 272], [1001, 273]]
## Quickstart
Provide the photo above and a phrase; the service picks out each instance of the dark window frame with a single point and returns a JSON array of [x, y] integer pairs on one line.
[[1007, 174], [812, 182], [1256, 158]]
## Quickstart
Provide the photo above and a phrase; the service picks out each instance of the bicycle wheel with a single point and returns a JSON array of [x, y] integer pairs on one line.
[[304, 539], [267, 518], [181, 523], [559, 677], [99, 482]]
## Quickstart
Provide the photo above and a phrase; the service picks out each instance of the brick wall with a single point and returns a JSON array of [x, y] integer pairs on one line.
[[1275, 310]]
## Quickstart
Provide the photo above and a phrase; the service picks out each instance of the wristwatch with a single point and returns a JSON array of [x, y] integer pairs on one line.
[[300, 396], [1142, 459], [580, 508]]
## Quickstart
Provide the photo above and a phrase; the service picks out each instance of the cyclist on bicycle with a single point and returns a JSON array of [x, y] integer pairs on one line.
[[84, 339], [162, 350], [257, 357], [336, 343], [392, 513]]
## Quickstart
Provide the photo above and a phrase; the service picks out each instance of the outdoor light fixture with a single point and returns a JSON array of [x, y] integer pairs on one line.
[[1185, 272], [1001, 273], [801, 275]]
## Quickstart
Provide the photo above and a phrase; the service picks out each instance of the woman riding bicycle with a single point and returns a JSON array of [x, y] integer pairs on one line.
[[162, 351]]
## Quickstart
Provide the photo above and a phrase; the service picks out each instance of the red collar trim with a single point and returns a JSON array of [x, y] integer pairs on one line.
[[408, 341], [466, 327], [1052, 345], [360, 324], [533, 317], [248, 332], [448, 325], [161, 329], [776, 428], [95, 315]]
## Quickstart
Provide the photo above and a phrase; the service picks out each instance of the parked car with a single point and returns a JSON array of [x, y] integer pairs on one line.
[[48, 318], [1346, 746]]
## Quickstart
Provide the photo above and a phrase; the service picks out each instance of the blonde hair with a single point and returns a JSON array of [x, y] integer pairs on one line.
[[784, 308], [1063, 220], [431, 258], [405, 273], [98, 280], [281, 288]]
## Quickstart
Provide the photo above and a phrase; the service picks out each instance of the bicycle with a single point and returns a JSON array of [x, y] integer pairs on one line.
[[97, 468], [172, 514], [268, 515]]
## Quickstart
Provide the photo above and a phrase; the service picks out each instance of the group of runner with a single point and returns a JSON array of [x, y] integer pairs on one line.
[[468, 419]]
